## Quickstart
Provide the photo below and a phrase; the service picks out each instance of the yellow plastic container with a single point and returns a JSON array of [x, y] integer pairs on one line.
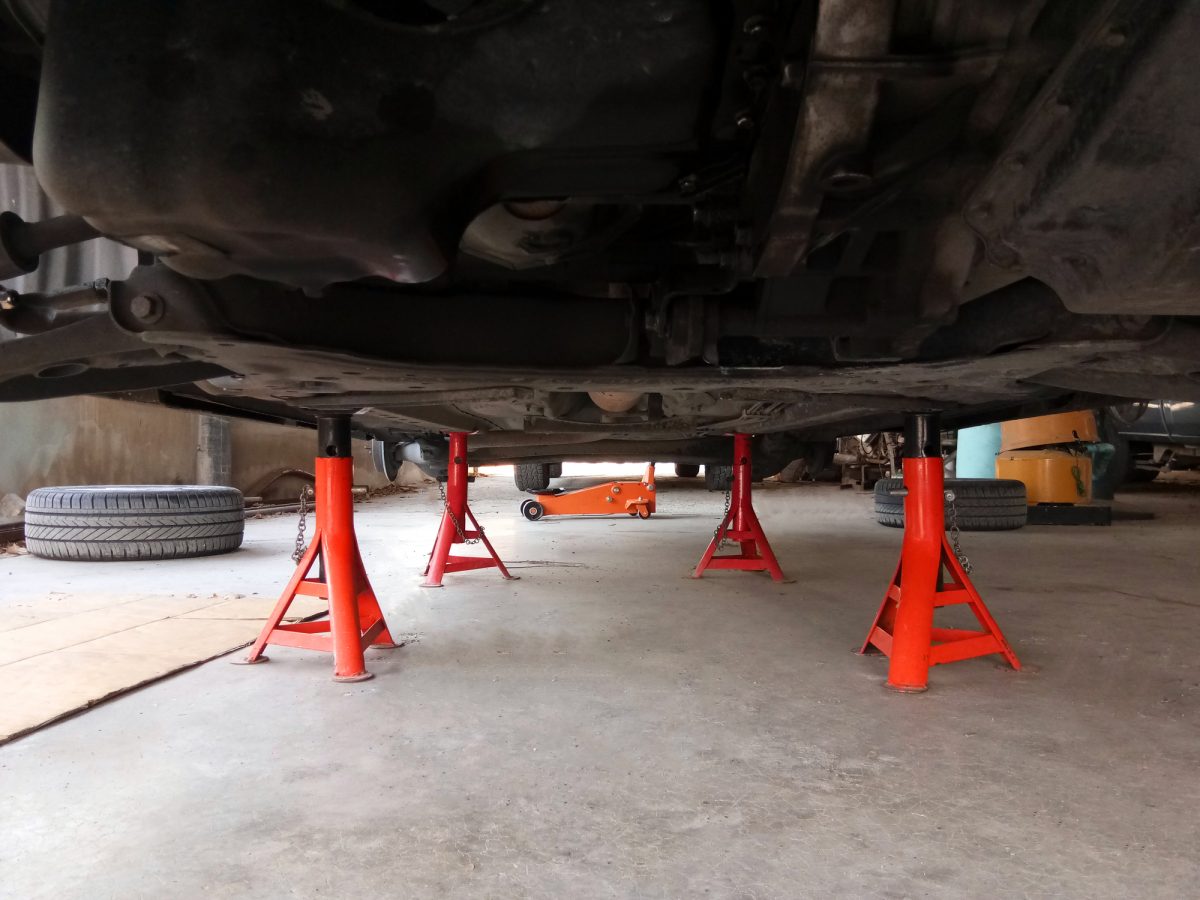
[[1046, 431], [1050, 476]]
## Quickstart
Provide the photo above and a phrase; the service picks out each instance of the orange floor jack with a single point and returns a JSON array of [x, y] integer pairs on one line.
[[635, 498], [903, 629], [740, 524], [355, 620], [456, 515]]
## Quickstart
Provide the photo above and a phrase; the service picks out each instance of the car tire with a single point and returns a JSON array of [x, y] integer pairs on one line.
[[133, 522], [532, 476], [984, 504], [1138, 475], [718, 478], [1122, 467], [686, 470]]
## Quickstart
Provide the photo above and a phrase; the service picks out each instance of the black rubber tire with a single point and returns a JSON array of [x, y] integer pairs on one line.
[[532, 476], [718, 478], [533, 511], [555, 470], [686, 470], [984, 504], [1120, 467], [1138, 475], [105, 523]]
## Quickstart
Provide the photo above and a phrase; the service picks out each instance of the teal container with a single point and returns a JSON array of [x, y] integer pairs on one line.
[[977, 449]]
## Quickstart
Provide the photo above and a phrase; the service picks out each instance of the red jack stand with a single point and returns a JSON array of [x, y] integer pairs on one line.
[[453, 529], [740, 524], [903, 629], [355, 619]]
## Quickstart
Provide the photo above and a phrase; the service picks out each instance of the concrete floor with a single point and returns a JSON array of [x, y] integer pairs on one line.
[[607, 728]]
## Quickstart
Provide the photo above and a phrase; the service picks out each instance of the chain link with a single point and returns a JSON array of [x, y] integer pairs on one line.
[[955, 533], [301, 544], [718, 535], [457, 525]]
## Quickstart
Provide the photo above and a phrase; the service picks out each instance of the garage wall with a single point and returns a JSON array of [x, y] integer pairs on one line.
[[95, 440]]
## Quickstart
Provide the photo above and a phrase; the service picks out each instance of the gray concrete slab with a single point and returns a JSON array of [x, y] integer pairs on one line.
[[607, 728]]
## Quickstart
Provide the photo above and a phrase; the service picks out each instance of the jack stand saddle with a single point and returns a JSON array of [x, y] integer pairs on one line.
[[453, 529], [355, 619], [903, 629], [740, 524]]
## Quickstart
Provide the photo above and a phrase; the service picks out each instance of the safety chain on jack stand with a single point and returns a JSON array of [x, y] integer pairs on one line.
[[955, 533], [457, 527], [718, 535], [301, 545]]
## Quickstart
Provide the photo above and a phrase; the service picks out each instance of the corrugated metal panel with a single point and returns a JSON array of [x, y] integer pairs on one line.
[[101, 258]]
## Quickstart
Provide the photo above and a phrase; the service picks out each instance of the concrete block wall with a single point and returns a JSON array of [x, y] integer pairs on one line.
[[96, 440]]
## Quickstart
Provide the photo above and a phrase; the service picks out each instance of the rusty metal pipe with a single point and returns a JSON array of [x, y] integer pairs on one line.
[[36, 313]]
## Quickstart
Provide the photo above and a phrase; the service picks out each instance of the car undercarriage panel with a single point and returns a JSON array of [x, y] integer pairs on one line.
[[624, 228]]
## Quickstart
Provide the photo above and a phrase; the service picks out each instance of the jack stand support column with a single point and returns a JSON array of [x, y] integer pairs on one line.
[[928, 576], [741, 524], [454, 527], [355, 619]]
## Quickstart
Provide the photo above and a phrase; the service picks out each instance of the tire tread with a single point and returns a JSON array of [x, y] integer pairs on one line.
[[983, 504], [109, 523]]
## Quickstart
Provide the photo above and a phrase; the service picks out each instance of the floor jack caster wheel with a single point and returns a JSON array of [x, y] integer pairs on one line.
[[532, 510]]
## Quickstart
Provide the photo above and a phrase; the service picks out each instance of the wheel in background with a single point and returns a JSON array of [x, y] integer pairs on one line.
[[104, 523], [718, 478], [1122, 467], [984, 504], [532, 476], [686, 470], [1138, 475]]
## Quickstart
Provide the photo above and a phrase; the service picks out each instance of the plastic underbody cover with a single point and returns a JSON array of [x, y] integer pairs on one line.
[[309, 144]]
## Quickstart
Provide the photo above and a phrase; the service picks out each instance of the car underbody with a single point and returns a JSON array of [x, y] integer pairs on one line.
[[609, 230]]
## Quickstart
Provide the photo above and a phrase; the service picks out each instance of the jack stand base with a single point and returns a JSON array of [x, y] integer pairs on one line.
[[946, 645], [355, 620], [250, 662], [741, 525], [928, 576], [459, 525], [350, 679]]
